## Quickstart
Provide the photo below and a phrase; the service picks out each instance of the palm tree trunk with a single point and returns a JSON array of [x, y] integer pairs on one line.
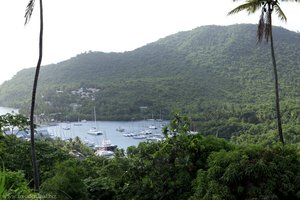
[[279, 123], [34, 89]]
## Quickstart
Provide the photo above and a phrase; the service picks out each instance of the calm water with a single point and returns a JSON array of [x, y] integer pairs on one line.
[[109, 129], [4, 110]]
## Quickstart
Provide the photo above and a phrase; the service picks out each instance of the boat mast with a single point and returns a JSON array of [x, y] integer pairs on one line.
[[95, 117]]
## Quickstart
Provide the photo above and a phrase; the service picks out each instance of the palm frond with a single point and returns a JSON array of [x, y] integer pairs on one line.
[[264, 24], [280, 13], [261, 26], [28, 11], [268, 25], [251, 6]]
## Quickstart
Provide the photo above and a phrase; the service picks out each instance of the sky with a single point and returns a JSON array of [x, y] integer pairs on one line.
[[72, 27]]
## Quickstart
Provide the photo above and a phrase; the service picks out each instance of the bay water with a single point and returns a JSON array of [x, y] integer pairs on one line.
[[110, 128], [4, 110]]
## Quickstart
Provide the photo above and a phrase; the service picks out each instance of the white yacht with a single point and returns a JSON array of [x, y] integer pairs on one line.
[[105, 153], [95, 131]]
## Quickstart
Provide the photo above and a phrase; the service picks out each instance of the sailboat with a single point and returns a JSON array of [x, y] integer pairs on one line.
[[66, 128], [94, 130], [78, 123]]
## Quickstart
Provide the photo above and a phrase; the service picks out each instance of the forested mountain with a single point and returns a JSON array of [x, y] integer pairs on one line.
[[217, 75]]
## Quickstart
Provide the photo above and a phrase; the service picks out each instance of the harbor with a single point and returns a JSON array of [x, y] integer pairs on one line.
[[120, 133]]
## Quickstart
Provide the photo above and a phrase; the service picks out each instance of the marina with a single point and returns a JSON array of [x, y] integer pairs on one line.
[[120, 133], [133, 132]]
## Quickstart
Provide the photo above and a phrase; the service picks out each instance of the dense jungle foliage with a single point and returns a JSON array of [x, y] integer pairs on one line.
[[181, 167]]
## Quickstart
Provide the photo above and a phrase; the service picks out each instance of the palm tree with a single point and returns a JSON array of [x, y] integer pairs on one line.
[[28, 12], [264, 30]]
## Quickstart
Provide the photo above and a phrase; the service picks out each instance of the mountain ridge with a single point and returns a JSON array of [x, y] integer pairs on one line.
[[195, 72]]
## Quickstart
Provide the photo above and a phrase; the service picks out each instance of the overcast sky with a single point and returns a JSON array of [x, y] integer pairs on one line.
[[75, 26]]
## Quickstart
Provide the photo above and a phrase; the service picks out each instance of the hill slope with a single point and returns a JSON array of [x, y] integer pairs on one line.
[[209, 73]]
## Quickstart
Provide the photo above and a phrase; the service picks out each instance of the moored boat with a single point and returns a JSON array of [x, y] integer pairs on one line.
[[129, 134], [152, 127], [105, 153], [94, 130], [120, 129], [106, 149], [140, 136]]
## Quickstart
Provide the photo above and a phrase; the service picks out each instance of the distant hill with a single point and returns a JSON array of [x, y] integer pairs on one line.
[[211, 73]]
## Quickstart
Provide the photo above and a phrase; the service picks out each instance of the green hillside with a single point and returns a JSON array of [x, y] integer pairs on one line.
[[217, 75]]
